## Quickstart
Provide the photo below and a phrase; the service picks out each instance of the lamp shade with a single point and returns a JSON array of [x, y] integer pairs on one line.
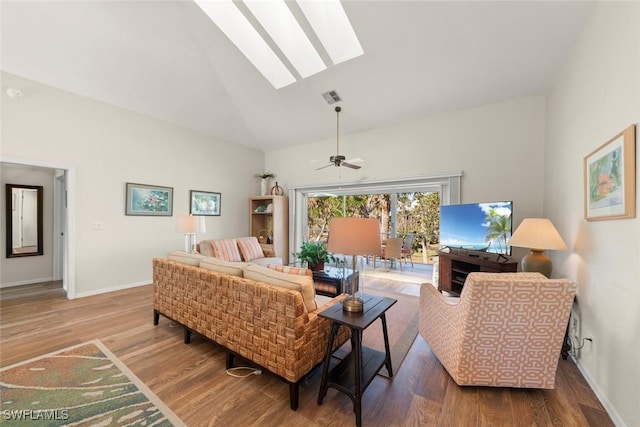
[[188, 224], [354, 236], [537, 233]]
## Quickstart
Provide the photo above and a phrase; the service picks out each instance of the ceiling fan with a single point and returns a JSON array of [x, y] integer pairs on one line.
[[338, 160]]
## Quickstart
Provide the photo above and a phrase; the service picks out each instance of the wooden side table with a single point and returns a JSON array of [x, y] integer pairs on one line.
[[355, 372]]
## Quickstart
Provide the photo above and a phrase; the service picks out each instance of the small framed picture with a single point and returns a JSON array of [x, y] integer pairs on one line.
[[204, 203], [610, 178], [148, 200]]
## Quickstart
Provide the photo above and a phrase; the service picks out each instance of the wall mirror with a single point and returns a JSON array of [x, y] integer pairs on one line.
[[24, 220]]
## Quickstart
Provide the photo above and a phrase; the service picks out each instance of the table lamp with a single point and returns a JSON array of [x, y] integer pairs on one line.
[[537, 234], [354, 236], [190, 226]]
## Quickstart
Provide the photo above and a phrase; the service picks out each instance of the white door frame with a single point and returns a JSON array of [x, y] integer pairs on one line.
[[69, 246], [59, 219]]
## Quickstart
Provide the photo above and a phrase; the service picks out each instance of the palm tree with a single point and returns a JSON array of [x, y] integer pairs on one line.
[[499, 227]]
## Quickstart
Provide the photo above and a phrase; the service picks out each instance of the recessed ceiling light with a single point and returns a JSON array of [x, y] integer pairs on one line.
[[237, 28], [331, 24], [279, 22]]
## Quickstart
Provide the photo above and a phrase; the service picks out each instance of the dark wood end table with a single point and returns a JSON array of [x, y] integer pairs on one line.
[[355, 372], [329, 281]]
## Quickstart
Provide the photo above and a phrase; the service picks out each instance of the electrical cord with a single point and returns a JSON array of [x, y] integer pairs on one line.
[[582, 345], [250, 371]]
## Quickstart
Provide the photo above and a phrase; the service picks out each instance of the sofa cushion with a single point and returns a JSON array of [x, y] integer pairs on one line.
[[185, 258], [302, 284], [267, 261], [205, 248], [250, 248], [222, 266], [226, 249], [290, 270]]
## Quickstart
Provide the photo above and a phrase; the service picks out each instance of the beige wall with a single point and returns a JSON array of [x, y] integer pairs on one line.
[[108, 147], [596, 96], [31, 269], [498, 148]]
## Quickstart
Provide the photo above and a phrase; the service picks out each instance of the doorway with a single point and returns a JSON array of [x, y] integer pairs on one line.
[[64, 221], [408, 191]]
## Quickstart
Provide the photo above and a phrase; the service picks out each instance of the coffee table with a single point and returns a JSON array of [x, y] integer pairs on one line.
[[355, 372], [328, 282]]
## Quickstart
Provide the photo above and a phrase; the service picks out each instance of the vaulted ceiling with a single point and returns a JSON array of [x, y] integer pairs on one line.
[[166, 59]]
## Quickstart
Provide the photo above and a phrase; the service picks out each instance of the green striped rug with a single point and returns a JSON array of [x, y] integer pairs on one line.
[[83, 385]]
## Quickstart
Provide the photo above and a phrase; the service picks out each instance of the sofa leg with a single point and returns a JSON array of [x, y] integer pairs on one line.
[[294, 392], [230, 357], [187, 336], [156, 317]]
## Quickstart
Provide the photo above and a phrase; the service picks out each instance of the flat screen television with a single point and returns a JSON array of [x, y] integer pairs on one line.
[[477, 226]]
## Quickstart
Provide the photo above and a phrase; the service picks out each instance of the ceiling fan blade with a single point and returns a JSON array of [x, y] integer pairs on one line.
[[325, 166], [349, 165], [355, 160]]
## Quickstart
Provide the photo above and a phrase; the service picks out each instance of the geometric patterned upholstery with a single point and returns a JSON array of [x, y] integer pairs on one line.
[[505, 330]]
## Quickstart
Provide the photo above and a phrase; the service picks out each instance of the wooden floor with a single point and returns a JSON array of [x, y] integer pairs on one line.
[[192, 381]]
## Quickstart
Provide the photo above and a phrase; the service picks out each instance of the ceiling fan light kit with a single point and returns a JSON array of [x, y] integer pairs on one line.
[[338, 160]]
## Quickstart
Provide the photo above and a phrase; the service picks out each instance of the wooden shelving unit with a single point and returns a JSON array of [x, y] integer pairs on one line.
[[455, 265], [271, 225]]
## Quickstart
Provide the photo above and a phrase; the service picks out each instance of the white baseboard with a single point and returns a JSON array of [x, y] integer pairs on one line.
[[112, 289], [613, 414], [26, 282]]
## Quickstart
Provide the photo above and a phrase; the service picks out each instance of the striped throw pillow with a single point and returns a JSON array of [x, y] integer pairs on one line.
[[291, 270], [226, 249], [250, 248]]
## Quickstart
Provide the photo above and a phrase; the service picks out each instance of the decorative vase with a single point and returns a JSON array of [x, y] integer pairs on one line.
[[264, 186]]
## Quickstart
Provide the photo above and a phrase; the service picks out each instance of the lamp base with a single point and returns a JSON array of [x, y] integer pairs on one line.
[[353, 305], [537, 261]]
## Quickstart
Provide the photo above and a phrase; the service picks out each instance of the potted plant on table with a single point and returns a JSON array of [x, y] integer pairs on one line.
[[315, 254]]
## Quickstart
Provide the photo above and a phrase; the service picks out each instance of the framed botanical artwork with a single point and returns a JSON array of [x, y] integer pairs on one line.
[[148, 200], [610, 178], [204, 203]]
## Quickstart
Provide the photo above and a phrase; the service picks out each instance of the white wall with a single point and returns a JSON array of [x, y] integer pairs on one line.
[[596, 96], [108, 147], [31, 269], [498, 147]]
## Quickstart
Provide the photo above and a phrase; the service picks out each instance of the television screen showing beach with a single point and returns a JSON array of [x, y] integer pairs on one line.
[[477, 226]]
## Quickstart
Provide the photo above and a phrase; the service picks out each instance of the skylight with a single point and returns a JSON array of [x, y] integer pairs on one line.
[[285, 31], [235, 25], [331, 24], [327, 18]]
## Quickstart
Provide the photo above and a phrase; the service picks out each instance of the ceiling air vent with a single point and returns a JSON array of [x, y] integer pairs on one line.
[[331, 97]]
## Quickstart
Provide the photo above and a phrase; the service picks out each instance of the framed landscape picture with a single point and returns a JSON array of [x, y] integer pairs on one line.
[[204, 203], [148, 200], [610, 177]]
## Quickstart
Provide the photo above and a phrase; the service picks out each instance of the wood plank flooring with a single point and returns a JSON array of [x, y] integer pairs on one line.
[[192, 381]]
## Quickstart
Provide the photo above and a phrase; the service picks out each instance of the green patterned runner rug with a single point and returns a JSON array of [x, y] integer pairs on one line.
[[83, 385]]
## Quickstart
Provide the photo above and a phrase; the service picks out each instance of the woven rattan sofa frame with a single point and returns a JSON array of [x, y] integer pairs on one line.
[[294, 386]]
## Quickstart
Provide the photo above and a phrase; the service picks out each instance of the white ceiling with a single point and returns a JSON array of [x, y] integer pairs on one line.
[[166, 59]]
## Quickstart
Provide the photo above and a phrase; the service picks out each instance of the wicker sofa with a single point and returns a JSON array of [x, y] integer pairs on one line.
[[268, 325]]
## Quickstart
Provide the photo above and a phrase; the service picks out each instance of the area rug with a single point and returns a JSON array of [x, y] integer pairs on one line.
[[402, 328], [83, 385]]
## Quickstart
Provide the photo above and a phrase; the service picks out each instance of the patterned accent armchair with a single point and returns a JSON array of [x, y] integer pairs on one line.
[[505, 330]]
